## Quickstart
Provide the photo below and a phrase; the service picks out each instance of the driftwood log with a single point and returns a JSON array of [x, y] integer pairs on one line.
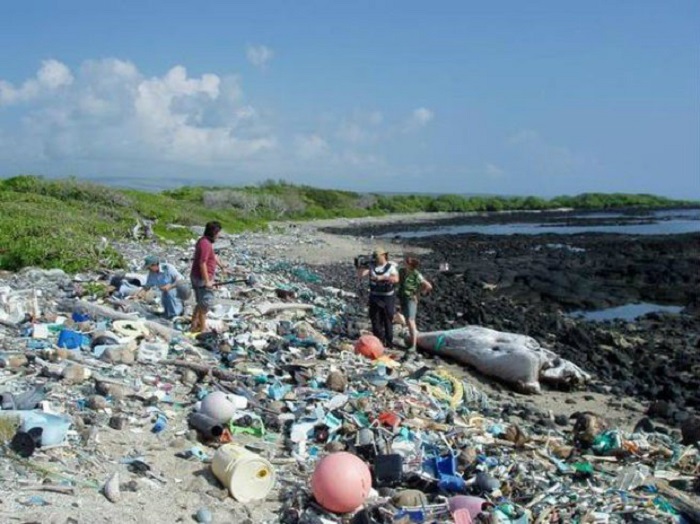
[[203, 369], [96, 310]]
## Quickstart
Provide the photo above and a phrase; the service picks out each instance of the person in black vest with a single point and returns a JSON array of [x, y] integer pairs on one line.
[[383, 278]]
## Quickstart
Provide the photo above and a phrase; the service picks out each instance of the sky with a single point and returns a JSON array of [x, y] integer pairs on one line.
[[539, 98]]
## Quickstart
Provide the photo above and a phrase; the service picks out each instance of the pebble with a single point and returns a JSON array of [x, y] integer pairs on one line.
[[486, 483], [691, 431], [203, 516], [336, 381], [561, 420], [188, 377], [409, 498], [96, 402]]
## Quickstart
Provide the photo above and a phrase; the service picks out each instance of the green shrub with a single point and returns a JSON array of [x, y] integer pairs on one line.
[[60, 222]]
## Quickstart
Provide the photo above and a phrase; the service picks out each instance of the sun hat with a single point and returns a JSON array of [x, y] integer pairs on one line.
[[380, 251], [150, 260]]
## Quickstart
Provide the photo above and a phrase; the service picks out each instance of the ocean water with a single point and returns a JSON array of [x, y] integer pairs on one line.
[[667, 222], [626, 312]]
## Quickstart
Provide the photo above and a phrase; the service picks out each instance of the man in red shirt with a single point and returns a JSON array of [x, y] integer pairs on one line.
[[202, 275]]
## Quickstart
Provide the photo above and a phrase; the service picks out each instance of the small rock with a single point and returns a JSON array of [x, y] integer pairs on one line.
[[119, 355], [332, 447], [108, 389], [111, 488], [486, 483], [660, 409], [681, 416], [188, 377], [336, 381], [561, 420], [690, 430], [117, 422], [97, 402], [409, 498], [587, 426], [516, 435], [203, 516], [76, 374], [467, 457], [644, 425]]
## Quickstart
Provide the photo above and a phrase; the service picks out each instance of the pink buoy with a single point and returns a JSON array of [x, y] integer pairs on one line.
[[472, 504], [369, 346], [341, 482]]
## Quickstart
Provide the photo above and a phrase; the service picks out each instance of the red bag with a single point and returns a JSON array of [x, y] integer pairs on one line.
[[369, 346]]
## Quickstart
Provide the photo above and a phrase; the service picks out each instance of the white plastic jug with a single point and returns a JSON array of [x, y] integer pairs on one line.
[[246, 475]]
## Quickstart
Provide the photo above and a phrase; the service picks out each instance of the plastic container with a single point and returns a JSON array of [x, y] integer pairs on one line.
[[207, 426], [160, 424], [246, 475], [388, 470], [79, 316], [72, 339], [222, 407], [469, 503], [150, 352], [54, 427]]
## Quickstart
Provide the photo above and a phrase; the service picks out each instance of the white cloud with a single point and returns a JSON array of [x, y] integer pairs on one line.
[[419, 118], [105, 118], [51, 76], [259, 55], [312, 146], [109, 110], [54, 74]]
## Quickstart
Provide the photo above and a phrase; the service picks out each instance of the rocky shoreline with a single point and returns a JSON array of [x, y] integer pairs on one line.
[[530, 284]]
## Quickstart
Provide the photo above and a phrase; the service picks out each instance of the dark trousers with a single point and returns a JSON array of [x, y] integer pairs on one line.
[[381, 314]]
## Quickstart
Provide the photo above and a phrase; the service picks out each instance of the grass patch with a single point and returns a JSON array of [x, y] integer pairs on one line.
[[61, 222]]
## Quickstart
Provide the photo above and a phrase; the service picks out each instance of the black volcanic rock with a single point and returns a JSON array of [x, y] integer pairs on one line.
[[527, 284]]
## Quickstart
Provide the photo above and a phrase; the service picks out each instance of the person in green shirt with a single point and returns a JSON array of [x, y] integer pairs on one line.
[[411, 285]]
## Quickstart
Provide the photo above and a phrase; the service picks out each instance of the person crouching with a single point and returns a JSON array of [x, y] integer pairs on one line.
[[166, 278]]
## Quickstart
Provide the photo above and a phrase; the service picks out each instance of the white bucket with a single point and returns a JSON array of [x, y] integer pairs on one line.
[[246, 475]]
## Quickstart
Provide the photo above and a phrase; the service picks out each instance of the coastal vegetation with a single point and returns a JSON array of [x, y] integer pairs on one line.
[[68, 223]]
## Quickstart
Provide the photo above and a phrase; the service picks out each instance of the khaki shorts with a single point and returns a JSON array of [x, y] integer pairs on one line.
[[203, 295]]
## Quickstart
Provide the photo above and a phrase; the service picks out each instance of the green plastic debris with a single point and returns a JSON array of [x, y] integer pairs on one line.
[[257, 429], [606, 442], [362, 420], [582, 469], [664, 505]]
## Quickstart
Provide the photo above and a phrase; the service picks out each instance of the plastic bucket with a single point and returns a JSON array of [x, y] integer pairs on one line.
[[246, 475]]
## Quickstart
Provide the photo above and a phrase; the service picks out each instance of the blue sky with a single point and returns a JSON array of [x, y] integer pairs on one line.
[[528, 98]]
